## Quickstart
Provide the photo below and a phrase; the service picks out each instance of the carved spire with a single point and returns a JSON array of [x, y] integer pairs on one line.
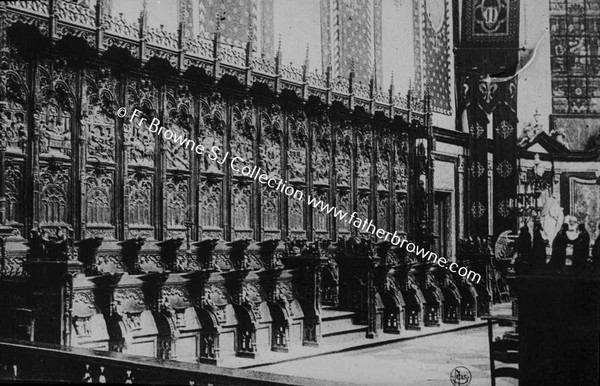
[[220, 18], [306, 62], [278, 55]]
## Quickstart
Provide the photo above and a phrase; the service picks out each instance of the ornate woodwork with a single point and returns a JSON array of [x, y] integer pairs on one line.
[[179, 255]]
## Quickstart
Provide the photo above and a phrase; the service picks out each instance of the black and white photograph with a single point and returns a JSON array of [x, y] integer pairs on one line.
[[300, 192]]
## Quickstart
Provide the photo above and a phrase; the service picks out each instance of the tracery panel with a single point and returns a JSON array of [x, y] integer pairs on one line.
[[14, 193], [270, 150], [212, 132], [321, 166], [14, 135], [364, 151], [179, 118], [138, 192], [140, 143], [382, 177], [343, 157], [54, 197], [99, 203], [241, 195], [54, 108], [271, 226], [400, 181], [140, 155], [176, 193], [98, 125], [179, 156], [243, 131], [55, 104], [297, 129]]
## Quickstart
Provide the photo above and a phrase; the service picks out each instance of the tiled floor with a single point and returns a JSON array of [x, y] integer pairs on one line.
[[421, 361]]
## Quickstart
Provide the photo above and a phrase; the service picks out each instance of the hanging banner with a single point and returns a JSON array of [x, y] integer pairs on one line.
[[490, 22], [505, 156], [474, 99]]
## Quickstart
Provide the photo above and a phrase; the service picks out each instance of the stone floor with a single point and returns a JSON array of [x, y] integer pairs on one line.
[[345, 345], [421, 361]]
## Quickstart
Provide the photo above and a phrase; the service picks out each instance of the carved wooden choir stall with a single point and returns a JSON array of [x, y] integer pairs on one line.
[[123, 240]]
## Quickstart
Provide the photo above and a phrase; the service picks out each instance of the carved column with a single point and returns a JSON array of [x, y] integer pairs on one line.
[[461, 197], [2, 170], [372, 303]]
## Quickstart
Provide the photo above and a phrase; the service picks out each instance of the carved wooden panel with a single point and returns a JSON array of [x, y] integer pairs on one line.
[[98, 124], [14, 193], [98, 204], [14, 117], [297, 133], [320, 168], [382, 177], [176, 191], [343, 154], [55, 201], [363, 209], [138, 189], [241, 195], [384, 153], [363, 160], [400, 181], [210, 208], [319, 217], [270, 150], [271, 227], [179, 118], [270, 142], [343, 204], [400, 212], [141, 94], [321, 152], [364, 150], [401, 164], [98, 116], [296, 217], [55, 107], [382, 211], [297, 143], [243, 130], [212, 131]]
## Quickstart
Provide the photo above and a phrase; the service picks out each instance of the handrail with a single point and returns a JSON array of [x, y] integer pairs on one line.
[[20, 360]]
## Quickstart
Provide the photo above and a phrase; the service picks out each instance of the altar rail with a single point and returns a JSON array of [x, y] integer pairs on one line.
[[24, 361]]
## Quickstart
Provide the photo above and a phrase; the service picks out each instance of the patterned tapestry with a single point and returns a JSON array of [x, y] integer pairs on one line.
[[431, 20], [575, 52], [235, 17], [351, 36]]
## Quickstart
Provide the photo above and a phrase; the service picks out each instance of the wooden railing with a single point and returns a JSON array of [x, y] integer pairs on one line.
[[24, 361]]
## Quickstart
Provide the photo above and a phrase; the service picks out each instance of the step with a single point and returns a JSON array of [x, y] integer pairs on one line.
[[352, 334], [336, 320]]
